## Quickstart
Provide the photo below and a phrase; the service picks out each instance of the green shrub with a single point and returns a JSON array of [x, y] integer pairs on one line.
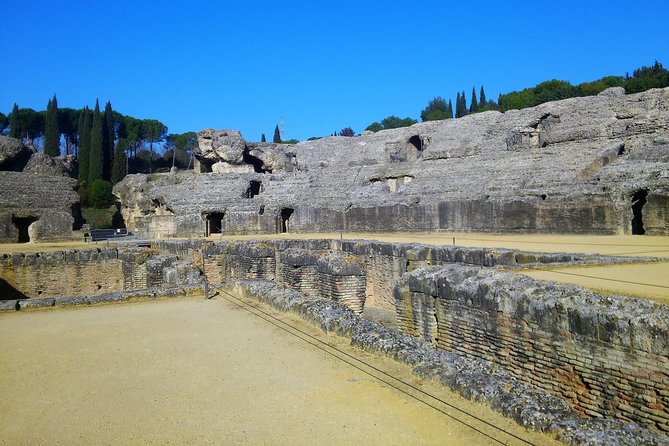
[[100, 194]]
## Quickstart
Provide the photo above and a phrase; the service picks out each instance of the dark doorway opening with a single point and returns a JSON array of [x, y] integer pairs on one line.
[[117, 218], [253, 189], [417, 144], [285, 219], [23, 226], [214, 223], [638, 201]]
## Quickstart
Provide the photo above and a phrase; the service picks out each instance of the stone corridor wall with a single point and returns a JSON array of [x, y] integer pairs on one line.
[[88, 272], [605, 356]]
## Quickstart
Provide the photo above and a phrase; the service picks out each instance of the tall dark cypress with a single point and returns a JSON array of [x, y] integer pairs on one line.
[[474, 106], [108, 137], [277, 135], [463, 105], [96, 159], [458, 105], [14, 126], [51, 133], [482, 100], [119, 168], [449, 110], [84, 144], [262, 138]]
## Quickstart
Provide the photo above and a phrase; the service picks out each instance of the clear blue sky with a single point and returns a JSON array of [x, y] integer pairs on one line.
[[322, 66]]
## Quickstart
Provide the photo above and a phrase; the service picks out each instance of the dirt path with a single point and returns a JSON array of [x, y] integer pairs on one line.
[[650, 280], [203, 372], [615, 245]]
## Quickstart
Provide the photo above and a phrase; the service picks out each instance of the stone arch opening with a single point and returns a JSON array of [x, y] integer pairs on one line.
[[284, 221], [253, 189], [214, 223], [638, 201], [22, 225], [415, 146]]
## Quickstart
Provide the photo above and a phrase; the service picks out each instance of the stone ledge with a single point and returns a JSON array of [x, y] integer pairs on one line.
[[71, 301]]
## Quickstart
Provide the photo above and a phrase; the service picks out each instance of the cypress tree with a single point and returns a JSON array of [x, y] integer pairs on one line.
[[457, 106], [14, 127], [96, 157], [474, 106], [277, 135], [262, 138], [84, 144], [482, 100], [449, 110], [119, 167], [463, 98], [108, 141], [51, 133]]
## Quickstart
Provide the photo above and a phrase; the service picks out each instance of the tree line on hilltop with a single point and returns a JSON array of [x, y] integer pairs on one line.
[[107, 144], [642, 79]]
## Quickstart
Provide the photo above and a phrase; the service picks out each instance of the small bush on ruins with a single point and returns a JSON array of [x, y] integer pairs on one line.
[[391, 122], [100, 194]]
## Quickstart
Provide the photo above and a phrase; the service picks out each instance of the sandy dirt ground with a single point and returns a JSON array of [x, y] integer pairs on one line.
[[191, 371], [650, 280], [613, 245]]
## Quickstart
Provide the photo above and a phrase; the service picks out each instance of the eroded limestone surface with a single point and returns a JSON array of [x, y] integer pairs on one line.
[[582, 165], [38, 197]]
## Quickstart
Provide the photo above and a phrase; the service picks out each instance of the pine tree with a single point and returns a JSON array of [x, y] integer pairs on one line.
[[474, 106], [119, 168], [262, 138], [51, 133], [449, 109], [108, 141], [84, 144], [14, 126], [96, 157], [277, 135], [482, 100]]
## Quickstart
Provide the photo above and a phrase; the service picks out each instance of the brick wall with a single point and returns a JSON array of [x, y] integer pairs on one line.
[[606, 356]]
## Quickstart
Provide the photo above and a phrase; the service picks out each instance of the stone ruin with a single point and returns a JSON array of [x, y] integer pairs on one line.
[[588, 368], [38, 196], [583, 165]]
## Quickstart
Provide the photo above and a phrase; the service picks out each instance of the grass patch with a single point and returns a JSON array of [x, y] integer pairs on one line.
[[99, 218]]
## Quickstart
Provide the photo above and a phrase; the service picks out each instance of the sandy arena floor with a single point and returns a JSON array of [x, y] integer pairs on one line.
[[191, 371]]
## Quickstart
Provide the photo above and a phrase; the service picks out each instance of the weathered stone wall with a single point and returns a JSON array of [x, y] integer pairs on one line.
[[93, 271], [89, 272], [605, 356], [50, 202], [571, 166]]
